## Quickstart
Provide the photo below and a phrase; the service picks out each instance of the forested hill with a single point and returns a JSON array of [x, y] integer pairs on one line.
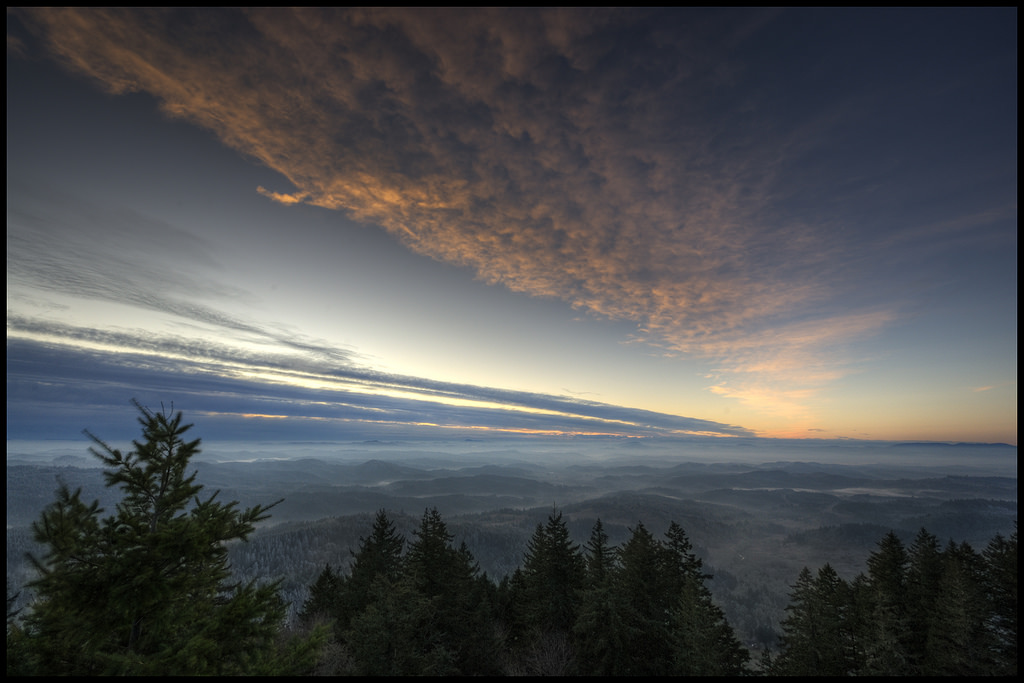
[[418, 605], [753, 529]]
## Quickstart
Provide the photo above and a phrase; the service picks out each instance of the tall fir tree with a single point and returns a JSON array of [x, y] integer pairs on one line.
[[962, 641], [147, 590], [553, 574], [886, 649], [448, 615], [322, 602], [378, 560], [599, 630], [392, 635], [817, 635], [703, 643], [799, 656], [642, 585], [547, 600], [1001, 598], [601, 558], [924, 574]]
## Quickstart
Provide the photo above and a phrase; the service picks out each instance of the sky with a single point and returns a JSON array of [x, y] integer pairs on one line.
[[374, 224]]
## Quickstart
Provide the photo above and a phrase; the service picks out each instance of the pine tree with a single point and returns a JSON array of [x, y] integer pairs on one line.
[[886, 649], [836, 645], [553, 572], [817, 633], [393, 635], [322, 602], [16, 655], [962, 645], [447, 616], [859, 616], [599, 630], [924, 575], [147, 590], [681, 562], [799, 637], [601, 558], [642, 585], [605, 627], [1001, 593], [703, 643], [379, 554], [378, 560], [547, 601]]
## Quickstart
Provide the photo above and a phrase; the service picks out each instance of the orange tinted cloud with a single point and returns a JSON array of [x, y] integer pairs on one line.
[[530, 146]]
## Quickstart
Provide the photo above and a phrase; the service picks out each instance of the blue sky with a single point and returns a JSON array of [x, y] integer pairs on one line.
[[777, 223]]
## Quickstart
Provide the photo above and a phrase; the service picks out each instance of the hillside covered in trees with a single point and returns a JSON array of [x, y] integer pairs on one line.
[[150, 589], [641, 609]]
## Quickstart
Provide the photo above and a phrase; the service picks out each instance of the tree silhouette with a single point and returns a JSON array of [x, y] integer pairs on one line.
[[147, 589]]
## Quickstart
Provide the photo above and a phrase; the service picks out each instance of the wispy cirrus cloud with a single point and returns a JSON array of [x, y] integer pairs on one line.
[[58, 243]]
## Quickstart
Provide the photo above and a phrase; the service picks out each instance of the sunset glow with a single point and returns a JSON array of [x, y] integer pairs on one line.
[[628, 223]]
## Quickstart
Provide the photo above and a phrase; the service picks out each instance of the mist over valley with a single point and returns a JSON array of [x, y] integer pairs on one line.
[[757, 511]]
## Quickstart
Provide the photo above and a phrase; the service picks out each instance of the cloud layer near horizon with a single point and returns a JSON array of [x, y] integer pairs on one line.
[[89, 372]]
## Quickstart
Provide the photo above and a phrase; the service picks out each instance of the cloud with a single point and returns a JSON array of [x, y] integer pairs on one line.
[[634, 163], [550, 151], [51, 364], [61, 244], [780, 370], [66, 243], [281, 197]]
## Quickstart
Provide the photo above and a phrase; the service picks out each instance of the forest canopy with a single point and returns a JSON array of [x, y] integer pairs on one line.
[[148, 588]]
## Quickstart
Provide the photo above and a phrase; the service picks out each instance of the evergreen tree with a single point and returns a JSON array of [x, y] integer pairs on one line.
[[553, 573], [147, 590], [600, 628], [547, 601], [393, 635], [16, 664], [817, 633], [924, 574], [923, 612], [343, 599], [886, 649], [859, 617], [1000, 581], [681, 563], [962, 645], [799, 630], [833, 596], [379, 554], [601, 559], [604, 631], [378, 560], [447, 616], [642, 585], [323, 599], [703, 643]]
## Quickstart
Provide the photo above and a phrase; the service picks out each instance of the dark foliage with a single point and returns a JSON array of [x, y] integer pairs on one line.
[[922, 611], [147, 589]]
